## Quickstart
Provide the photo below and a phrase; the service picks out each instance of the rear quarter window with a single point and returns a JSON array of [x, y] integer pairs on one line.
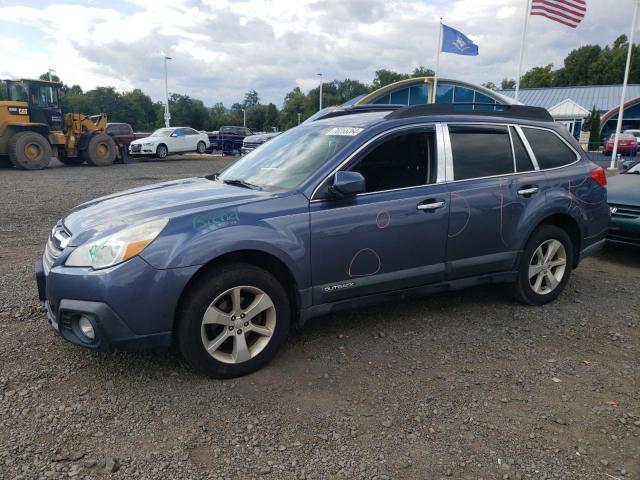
[[480, 151], [550, 151]]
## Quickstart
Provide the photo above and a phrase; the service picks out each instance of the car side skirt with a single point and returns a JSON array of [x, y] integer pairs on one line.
[[395, 295]]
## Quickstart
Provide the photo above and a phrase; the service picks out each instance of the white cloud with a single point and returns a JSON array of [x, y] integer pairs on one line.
[[222, 48]]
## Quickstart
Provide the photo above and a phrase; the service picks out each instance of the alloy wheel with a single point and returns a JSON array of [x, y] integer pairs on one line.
[[547, 267], [238, 324]]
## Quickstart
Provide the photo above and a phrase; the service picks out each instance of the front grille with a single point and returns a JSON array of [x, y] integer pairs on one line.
[[58, 240], [251, 145], [625, 211], [136, 148]]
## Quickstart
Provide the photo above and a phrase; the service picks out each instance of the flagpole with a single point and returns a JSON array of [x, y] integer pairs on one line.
[[435, 77], [624, 88], [522, 45]]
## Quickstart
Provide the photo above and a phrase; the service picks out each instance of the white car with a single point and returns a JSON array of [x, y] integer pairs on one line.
[[166, 141]]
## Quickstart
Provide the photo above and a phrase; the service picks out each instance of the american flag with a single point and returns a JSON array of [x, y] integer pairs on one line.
[[567, 12]]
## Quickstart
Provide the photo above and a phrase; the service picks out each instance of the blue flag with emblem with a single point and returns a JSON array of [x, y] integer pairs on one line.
[[456, 42]]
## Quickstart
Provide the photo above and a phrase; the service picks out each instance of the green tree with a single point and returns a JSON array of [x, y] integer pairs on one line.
[[507, 84], [538, 77], [490, 85], [386, 77], [347, 89], [577, 65], [594, 126], [271, 118], [295, 102], [251, 99], [422, 72], [186, 111]]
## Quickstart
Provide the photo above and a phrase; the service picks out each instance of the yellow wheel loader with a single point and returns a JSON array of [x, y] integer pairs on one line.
[[33, 129]]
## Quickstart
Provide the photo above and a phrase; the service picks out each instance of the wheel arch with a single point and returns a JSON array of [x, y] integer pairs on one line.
[[257, 258], [163, 145], [567, 223]]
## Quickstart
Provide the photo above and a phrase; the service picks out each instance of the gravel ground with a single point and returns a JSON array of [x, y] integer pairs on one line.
[[464, 385]]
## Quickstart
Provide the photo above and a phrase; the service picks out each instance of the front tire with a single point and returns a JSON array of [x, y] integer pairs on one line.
[[234, 321], [545, 266], [201, 147], [162, 152], [29, 150]]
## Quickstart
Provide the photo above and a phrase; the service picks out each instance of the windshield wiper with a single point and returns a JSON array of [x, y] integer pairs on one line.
[[241, 183]]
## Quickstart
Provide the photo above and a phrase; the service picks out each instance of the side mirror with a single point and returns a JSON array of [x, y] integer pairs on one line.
[[346, 184]]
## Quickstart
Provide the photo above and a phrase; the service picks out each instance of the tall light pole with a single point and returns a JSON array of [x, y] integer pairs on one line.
[[320, 75], [244, 118], [167, 115], [299, 115], [50, 77], [623, 94]]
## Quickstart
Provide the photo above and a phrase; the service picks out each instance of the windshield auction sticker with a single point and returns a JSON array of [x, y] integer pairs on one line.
[[344, 131]]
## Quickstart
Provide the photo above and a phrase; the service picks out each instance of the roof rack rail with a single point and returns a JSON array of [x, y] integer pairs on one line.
[[352, 109], [488, 109]]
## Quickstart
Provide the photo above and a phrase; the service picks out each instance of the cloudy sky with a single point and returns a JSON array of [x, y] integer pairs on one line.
[[222, 48]]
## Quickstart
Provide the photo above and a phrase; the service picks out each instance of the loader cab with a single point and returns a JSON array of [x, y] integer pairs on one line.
[[42, 98]]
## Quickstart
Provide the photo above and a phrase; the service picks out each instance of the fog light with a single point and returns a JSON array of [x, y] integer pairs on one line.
[[85, 326]]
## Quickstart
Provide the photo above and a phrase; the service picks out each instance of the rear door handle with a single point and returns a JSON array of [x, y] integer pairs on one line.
[[528, 191], [430, 205]]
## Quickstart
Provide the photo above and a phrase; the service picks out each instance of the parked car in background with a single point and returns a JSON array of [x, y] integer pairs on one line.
[[363, 206], [251, 142], [123, 134], [627, 145], [167, 141], [624, 203], [228, 139], [635, 133]]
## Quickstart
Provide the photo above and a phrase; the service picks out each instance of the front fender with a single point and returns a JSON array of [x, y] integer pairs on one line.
[[202, 237]]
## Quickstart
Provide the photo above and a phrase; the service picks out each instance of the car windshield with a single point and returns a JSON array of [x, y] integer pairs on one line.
[[635, 133], [289, 159], [162, 132]]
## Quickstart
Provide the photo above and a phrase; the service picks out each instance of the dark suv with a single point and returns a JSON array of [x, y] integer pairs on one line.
[[361, 205]]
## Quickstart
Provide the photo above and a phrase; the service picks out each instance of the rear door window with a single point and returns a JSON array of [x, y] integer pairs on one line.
[[480, 151], [523, 161], [549, 149]]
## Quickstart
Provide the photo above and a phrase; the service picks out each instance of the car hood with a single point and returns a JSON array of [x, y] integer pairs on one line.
[[263, 137], [109, 214], [624, 189], [147, 140]]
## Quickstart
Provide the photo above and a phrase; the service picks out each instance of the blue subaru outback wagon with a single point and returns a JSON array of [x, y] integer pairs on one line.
[[360, 205]]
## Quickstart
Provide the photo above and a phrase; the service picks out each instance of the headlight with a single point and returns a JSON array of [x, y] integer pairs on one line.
[[117, 248], [148, 144]]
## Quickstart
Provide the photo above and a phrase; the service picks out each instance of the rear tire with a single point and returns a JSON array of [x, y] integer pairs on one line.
[[241, 313], [29, 151], [100, 152], [545, 266]]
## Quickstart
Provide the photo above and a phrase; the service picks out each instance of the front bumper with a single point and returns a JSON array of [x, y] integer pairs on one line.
[[130, 306], [143, 150], [624, 230], [111, 332]]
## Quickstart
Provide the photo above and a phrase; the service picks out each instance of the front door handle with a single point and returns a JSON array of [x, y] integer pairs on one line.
[[431, 206], [528, 191]]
